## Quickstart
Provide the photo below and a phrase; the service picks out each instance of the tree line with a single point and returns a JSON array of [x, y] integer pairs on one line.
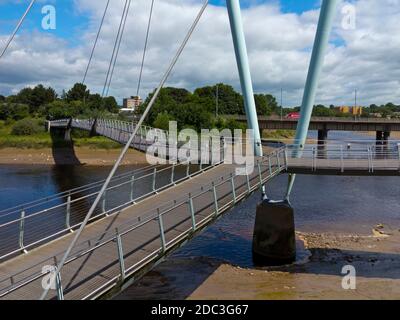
[[43, 102]]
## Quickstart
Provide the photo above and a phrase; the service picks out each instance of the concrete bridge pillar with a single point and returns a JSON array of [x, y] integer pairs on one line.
[[274, 239], [382, 137], [322, 136]]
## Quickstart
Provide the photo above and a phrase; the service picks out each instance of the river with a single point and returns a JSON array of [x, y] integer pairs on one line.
[[322, 204]]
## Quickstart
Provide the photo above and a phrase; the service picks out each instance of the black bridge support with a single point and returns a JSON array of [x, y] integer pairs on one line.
[[93, 131], [322, 136], [382, 137], [274, 239]]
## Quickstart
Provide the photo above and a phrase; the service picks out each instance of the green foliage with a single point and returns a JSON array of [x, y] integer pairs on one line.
[[13, 111], [162, 121], [27, 127], [78, 92], [35, 97], [266, 104]]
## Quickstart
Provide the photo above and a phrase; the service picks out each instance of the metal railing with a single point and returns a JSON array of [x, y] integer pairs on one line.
[[240, 187], [355, 155], [29, 225]]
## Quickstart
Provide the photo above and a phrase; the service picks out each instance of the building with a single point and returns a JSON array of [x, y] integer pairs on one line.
[[132, 103], [355, 111]]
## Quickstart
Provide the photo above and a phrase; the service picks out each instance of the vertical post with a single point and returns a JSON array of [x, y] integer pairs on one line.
[[191, 209], [154, 178], [188, 169], [22, 231], [321, 42], [248, 183], [398, 150], [173, 173], [60, 291], [233, 188], [341, 158], [314, 161], [162, 235], [259, 173], [120, 255], [68, 214], [103, 203], [215, 199], [132, 184], [239, 43]]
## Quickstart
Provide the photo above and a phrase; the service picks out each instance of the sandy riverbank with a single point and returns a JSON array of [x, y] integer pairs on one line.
[[81, 155], [376, 259]]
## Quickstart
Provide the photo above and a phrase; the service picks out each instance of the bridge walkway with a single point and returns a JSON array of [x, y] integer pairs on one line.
[[146, 233]]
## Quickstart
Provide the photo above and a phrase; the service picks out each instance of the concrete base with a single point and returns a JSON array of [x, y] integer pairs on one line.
[[274, 239]]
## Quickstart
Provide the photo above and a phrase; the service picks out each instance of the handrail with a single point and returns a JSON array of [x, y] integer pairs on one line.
[[130, 227]]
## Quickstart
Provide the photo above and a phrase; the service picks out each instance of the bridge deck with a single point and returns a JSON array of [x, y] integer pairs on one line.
[[93, 272]]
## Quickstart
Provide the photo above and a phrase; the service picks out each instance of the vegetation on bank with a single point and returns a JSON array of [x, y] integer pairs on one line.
[[278, 134], [30, 133]]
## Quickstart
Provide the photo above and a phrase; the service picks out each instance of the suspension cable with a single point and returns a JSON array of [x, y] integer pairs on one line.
[[115, 47], [145, 47], [95, 42], [16, 29], [126, 148], [119, 45]]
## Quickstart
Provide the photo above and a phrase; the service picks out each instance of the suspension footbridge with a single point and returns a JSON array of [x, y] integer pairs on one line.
[[93, 240]]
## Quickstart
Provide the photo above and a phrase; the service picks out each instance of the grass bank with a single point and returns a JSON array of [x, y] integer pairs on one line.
[[43, 140], [278, 134]]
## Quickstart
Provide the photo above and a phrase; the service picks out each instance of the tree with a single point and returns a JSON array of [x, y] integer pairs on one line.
[[78, 92], [110, 104], [266, 104], [229, 101], [2, 98]]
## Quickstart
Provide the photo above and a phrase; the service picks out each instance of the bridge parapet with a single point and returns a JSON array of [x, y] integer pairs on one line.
[[349, 158], [167, 225]]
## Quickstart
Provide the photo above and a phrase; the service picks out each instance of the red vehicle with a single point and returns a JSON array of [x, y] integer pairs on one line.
[[293, 115]]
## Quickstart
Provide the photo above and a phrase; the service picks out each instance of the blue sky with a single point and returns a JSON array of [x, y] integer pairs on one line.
[[69, 20]]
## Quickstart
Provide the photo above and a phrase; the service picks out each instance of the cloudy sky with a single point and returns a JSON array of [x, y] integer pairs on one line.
[[279, 35]]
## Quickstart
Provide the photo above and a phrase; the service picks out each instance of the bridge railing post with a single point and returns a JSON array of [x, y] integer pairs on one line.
[[103, 203], [214, 190], [68, 214], [120, 254], [132, 189], [154, 179], [314, 159], [260, 172], [22, 232], [162, 234], [173, 173], [59, 287], [233, 188], [248, 183], [188, 168], [191, 210], [286, 158], [341, 158], [370, 160], [398, 150]]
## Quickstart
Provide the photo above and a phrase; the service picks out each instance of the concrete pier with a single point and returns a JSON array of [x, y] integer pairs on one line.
[[274, 240]]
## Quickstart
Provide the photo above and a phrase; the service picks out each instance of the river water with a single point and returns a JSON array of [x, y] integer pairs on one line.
[[321, 203]]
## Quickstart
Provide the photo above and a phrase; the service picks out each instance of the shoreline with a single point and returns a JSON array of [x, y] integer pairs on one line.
[[75, 156], [376, 259]]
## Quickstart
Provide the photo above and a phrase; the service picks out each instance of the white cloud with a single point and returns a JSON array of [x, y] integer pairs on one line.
[[279, 50]]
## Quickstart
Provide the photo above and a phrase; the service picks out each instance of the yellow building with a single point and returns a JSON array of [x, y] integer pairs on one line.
[[355, 111]]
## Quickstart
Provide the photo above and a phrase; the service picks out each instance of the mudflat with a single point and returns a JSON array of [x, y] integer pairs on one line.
[[79, 155], [376, 259]]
